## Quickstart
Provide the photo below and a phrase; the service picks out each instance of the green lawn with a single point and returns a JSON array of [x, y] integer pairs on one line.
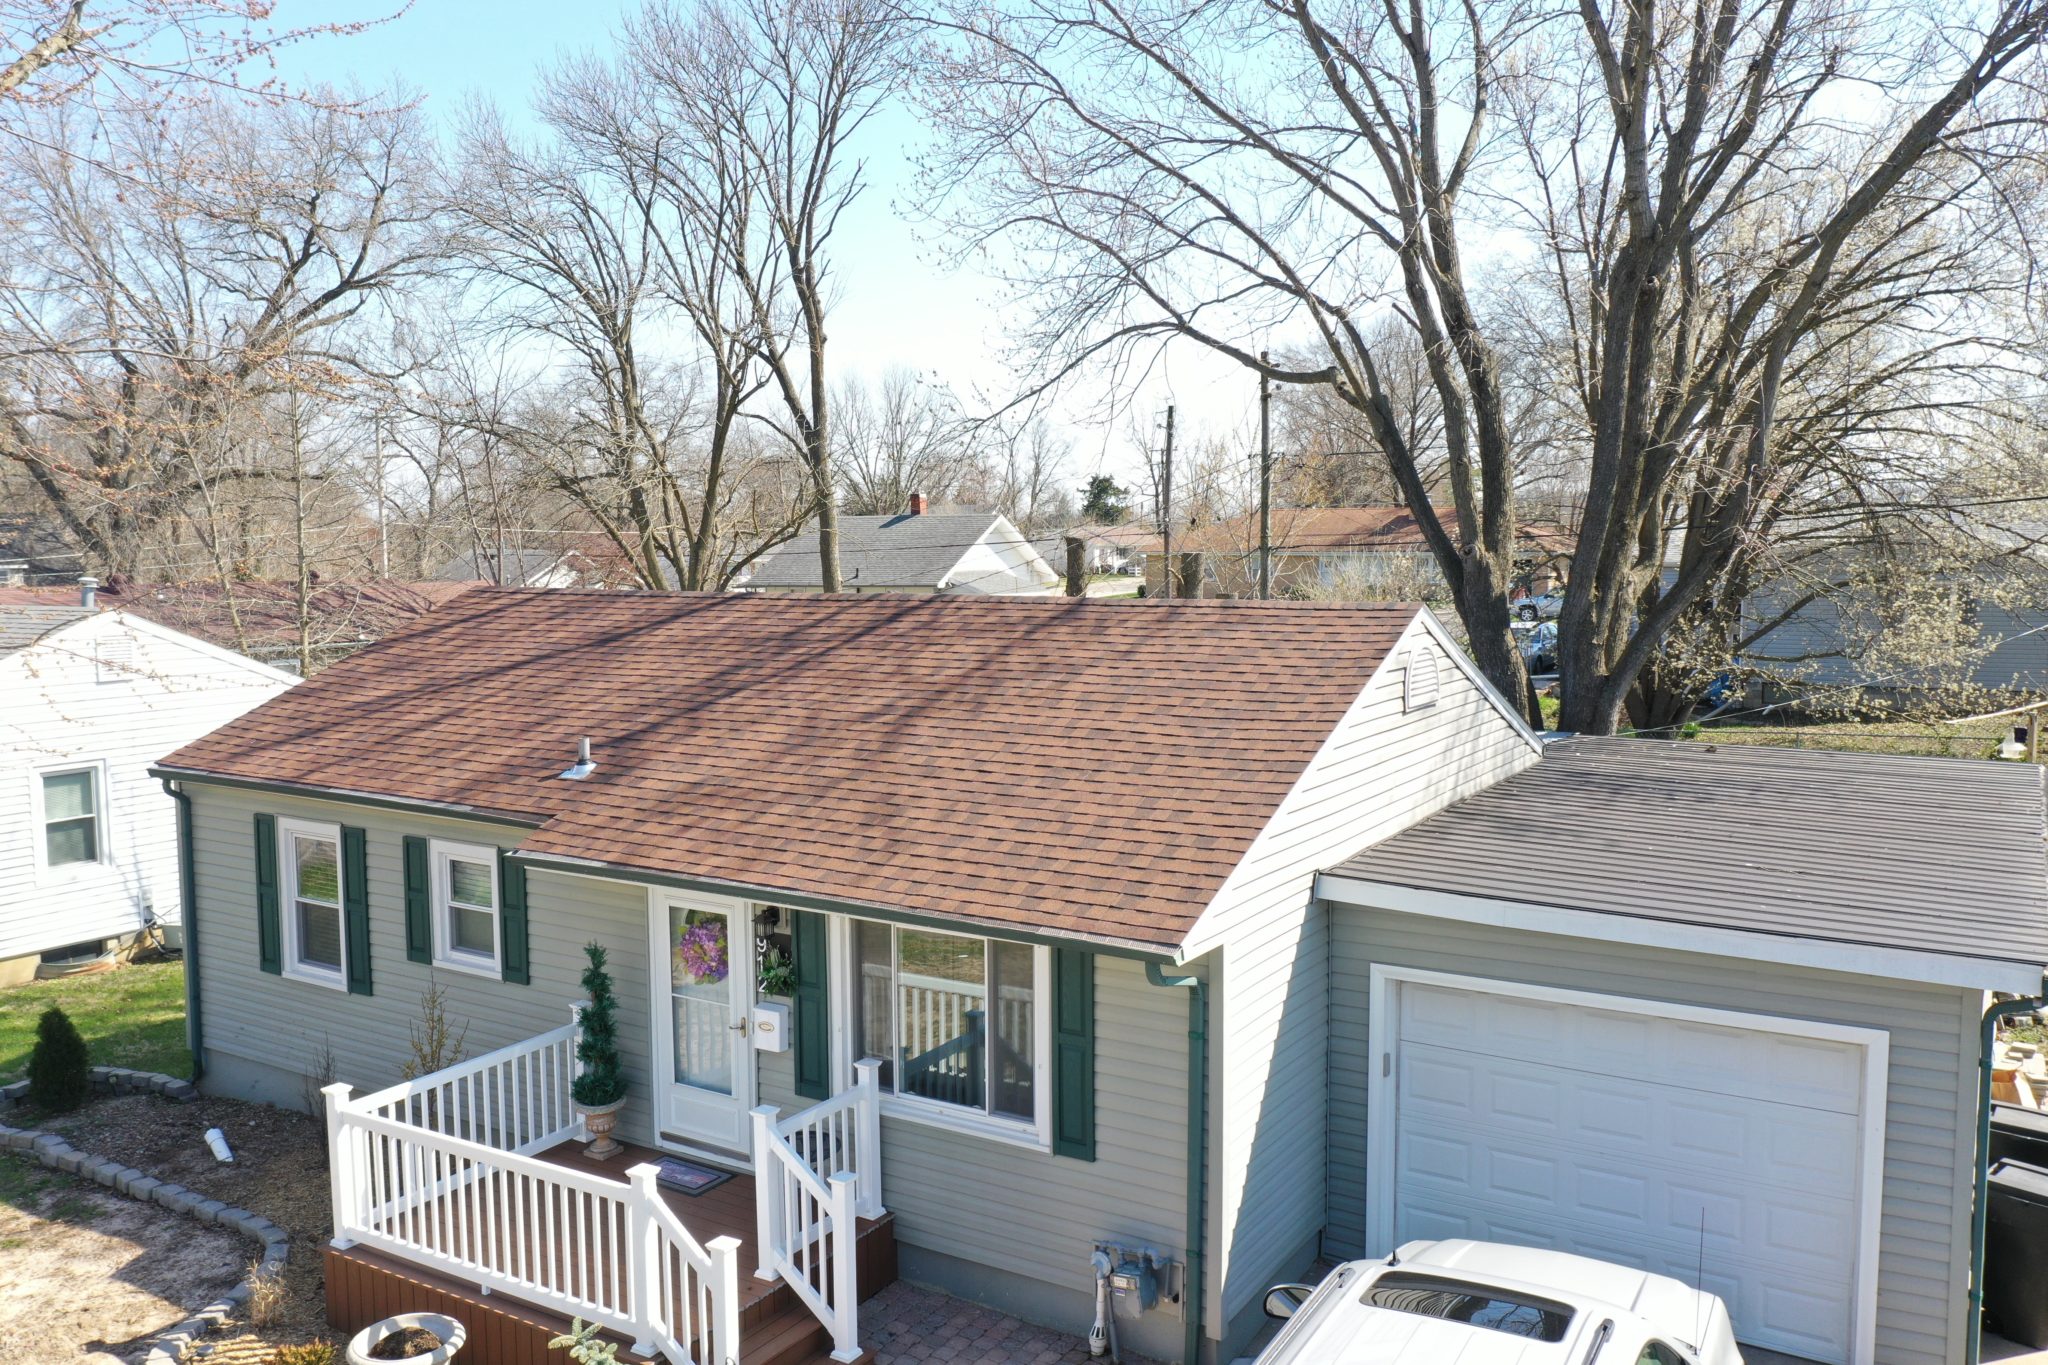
[[133, 1017]]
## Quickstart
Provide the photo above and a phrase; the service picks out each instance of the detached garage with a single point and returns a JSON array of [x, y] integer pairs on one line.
[[1711, 1012]]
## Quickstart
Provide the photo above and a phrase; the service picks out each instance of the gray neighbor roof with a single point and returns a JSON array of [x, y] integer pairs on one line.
[[905, 550], [1928, 854], [22, 626]]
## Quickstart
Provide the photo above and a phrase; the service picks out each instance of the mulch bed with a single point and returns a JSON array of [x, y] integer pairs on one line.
[[279, 1172]]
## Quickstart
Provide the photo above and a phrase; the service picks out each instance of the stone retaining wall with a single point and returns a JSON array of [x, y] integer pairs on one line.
[[168, 1346]]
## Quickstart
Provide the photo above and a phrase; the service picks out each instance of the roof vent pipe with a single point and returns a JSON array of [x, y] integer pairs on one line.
[[583, 766], [88, 592]]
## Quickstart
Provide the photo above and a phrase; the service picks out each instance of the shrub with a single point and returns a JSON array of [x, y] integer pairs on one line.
[[59, 1071], [602, 1081], [266, 1298], [585, 1346], [305, 1353]]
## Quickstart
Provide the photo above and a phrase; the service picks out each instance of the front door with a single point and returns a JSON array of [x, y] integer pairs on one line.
[[703, 1051]]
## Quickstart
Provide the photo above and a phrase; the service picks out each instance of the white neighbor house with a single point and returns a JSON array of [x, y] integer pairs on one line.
[[88, 839]]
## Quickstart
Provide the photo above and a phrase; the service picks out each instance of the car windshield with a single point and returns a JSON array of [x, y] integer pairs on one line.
[[1498, 1310]]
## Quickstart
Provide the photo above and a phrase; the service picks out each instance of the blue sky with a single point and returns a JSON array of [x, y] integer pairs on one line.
[[896, 305]]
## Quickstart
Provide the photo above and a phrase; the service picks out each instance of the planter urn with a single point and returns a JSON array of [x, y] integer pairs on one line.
[[447, 1330], [598, 1123]]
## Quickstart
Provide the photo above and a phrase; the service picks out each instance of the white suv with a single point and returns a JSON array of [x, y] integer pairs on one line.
[[1480, 1303]]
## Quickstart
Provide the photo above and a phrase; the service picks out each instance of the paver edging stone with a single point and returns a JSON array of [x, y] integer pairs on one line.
[[168, 1346]]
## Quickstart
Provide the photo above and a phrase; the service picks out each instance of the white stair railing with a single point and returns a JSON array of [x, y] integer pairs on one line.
[[817, 1174], [408, 1179]]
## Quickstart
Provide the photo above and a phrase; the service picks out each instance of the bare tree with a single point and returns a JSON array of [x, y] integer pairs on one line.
[[135, 53], [767, 95], [579, 246], [142, 306], [1224, 173], [901, 437]]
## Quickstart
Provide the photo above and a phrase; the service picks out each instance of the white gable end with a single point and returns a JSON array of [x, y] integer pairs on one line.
[[1400, 753]]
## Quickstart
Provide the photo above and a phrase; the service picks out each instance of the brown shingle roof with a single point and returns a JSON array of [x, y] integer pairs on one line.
[[1071, 767]]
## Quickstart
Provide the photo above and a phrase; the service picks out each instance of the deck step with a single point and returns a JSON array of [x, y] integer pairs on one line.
[[792, 1337]]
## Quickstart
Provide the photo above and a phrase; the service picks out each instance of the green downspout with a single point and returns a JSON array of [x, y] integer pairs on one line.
[[188, 917], [1980, 1212], [1198, 1151]]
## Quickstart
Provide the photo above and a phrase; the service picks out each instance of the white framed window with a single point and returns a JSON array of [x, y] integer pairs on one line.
[[962, 1026], [310, 889], [465, 882], [71, 814]]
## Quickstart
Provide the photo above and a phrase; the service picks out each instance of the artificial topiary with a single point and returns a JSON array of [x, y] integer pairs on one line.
[[602, 1081], [59, 1071]]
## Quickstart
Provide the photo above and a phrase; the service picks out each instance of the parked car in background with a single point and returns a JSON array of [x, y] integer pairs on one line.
[[1539, 648], [1544, 607], [1432, 1302]]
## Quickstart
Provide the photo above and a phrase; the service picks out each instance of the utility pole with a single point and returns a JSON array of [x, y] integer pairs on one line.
[[1265, 482], [1166, 511], [383, 536]]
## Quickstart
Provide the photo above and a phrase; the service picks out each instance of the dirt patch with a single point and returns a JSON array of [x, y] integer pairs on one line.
[[85, 1272], [279, 1172]]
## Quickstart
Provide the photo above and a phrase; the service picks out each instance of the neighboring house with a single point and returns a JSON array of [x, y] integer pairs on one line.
[[979, 553], [1846, 647], [1369, 551], [512, 566], [1105, 549], [34, 551], [88, 699], [1283, 987]]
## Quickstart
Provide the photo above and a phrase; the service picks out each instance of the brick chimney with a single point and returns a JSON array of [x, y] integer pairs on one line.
[[918, 504]]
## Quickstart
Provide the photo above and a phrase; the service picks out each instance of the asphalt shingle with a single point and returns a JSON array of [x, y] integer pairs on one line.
[[1075, 767]]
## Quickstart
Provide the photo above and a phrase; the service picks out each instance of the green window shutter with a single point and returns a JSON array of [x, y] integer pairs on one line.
[[269, 932], [419, 902], [813, 1003], [1073, 1053], [355, 907], [512, 919]]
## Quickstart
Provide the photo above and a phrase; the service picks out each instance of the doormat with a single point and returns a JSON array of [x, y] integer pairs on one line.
[[688, 1176]]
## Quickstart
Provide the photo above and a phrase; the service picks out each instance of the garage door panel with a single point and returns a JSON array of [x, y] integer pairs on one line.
[[1791, 1232], [1616, 1120], [1639, 1139], [1701, 1056]]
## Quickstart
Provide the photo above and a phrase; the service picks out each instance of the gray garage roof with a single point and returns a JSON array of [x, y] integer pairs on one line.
[[1932, 855], [903, 551], [22, 626]]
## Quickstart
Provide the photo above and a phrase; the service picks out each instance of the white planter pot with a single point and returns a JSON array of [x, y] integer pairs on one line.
[[450, 1332]]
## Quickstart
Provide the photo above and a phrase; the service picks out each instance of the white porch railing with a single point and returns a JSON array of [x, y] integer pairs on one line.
[[438, 1171], [817, 1173]]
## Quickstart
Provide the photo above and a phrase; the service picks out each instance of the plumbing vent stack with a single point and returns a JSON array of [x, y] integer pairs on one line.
[[583, 767]]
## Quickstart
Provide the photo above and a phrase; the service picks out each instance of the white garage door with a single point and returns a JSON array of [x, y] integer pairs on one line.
[[1716, 1154]]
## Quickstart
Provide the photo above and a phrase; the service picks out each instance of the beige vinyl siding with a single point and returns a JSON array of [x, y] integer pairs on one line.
[[1381, 770], [1930, 1136], [1033, 1214], [281, 1022]]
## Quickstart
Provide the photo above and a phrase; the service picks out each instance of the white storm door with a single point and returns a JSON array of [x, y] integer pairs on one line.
[[703, 967]]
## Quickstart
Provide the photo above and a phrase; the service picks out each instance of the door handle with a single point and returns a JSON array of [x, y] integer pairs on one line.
[[740, 1027]]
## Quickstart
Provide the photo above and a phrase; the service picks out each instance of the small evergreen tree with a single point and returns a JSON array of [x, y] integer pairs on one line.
[[602, 1081], [1104, 501], [59, 1071]]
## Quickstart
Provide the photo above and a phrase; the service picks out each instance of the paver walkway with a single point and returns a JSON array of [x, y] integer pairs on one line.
[[913, 1324]]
